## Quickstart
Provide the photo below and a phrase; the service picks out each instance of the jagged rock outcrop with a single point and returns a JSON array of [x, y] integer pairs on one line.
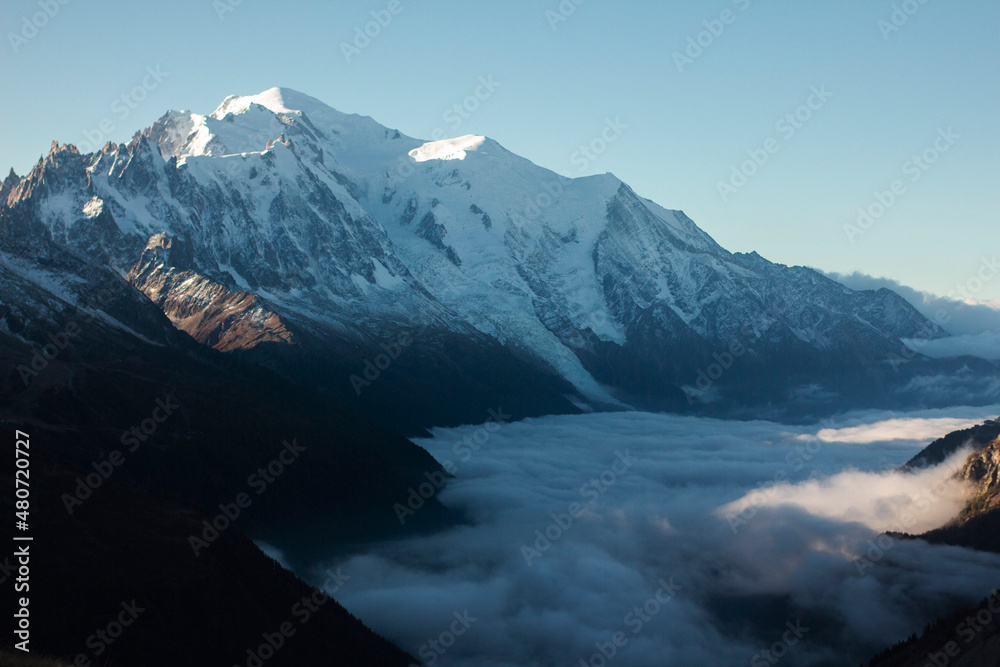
[[978, 525], [983, 470]]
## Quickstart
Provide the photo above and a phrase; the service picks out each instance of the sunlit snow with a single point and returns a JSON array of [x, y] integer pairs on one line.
[[447, 149]]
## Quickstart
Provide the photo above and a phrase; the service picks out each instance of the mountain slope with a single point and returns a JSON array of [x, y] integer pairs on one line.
[[128, 549], [977, 437], [139, 436], [89, 358], [969, 637], [978, 526], [290, 224]]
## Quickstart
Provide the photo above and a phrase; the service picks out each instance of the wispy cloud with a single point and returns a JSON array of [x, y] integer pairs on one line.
[[886, 501], [959, 316], [887, 430], [985, 345]]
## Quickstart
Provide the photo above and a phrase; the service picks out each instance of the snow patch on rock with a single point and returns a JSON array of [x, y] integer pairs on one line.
[[447, 149]]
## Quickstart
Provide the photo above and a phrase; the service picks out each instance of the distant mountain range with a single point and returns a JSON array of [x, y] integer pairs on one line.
[[445, 277]]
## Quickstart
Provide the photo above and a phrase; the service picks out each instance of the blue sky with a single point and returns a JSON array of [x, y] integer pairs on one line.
[[885, 95]]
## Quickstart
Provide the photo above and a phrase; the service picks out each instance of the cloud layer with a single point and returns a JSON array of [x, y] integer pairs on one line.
[[960, 317], [985, 345], [906, 430], [639, 539]]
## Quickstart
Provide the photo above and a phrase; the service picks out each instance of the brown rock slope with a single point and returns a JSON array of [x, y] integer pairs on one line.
[[210, 312]]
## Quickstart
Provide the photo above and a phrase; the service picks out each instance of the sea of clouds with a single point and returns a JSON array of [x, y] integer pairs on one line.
[[641, 539], [974, 324]]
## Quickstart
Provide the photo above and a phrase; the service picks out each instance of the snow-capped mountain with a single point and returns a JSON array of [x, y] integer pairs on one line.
[[277, 219]]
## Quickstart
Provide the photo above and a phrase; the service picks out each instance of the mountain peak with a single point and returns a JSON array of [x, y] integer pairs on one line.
[[56, 147], [280, 195], [7, 185], [277, 100]]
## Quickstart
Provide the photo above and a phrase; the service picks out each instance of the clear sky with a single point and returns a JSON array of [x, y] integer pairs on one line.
[[885, 95]]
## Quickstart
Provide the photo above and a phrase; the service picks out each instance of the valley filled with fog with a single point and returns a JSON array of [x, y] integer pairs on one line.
[[653, 539]]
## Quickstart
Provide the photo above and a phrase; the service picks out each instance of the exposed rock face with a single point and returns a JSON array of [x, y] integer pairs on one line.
[[211, 313], [983, 470], [958, 639], [978, 525]]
